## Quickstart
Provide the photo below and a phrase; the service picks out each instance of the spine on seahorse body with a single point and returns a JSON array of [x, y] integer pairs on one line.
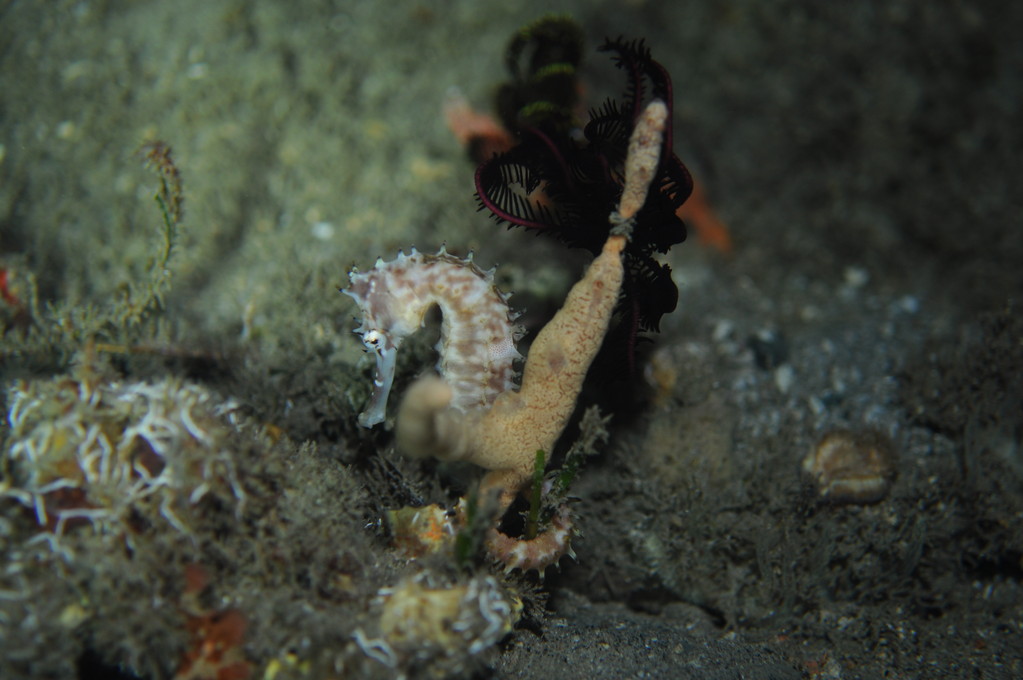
[[478, 332]]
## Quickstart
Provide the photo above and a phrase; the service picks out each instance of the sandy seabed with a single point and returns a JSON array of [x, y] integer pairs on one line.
[[867, 160]]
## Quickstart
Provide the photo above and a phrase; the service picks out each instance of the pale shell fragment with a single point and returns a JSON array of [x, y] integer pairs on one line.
[[852, 467]]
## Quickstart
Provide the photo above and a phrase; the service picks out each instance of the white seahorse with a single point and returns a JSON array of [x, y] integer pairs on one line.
[[478, 332]]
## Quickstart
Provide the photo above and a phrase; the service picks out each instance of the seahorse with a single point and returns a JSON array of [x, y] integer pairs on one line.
[[477, 361], [477, 346]]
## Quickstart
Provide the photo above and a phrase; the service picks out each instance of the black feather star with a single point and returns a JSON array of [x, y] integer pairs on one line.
[[555, 184]]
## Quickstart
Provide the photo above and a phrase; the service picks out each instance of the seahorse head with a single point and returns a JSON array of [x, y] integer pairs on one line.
[[389, 314]]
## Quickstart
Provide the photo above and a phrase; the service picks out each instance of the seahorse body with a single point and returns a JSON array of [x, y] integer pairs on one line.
[[477, 357], [478, 332]]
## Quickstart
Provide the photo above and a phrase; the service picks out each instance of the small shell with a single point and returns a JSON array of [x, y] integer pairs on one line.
[[421, 531], [852, 467]]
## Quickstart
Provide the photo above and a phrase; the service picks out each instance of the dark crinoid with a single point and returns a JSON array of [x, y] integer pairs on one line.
[[543, 59], [554, 183]]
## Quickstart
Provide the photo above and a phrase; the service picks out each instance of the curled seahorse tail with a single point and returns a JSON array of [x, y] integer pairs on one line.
[[537, 553]]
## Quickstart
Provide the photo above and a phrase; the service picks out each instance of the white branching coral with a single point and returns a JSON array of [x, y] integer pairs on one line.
[[448, 628], [470, 412], [92, 452]]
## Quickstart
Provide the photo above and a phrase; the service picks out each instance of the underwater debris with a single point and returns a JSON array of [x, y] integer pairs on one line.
[[852, 467], [481, 135], [421, 531], [216, 650], [17, 297]]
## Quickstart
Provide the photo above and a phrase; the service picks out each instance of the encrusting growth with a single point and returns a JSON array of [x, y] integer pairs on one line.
[[503, 429]]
